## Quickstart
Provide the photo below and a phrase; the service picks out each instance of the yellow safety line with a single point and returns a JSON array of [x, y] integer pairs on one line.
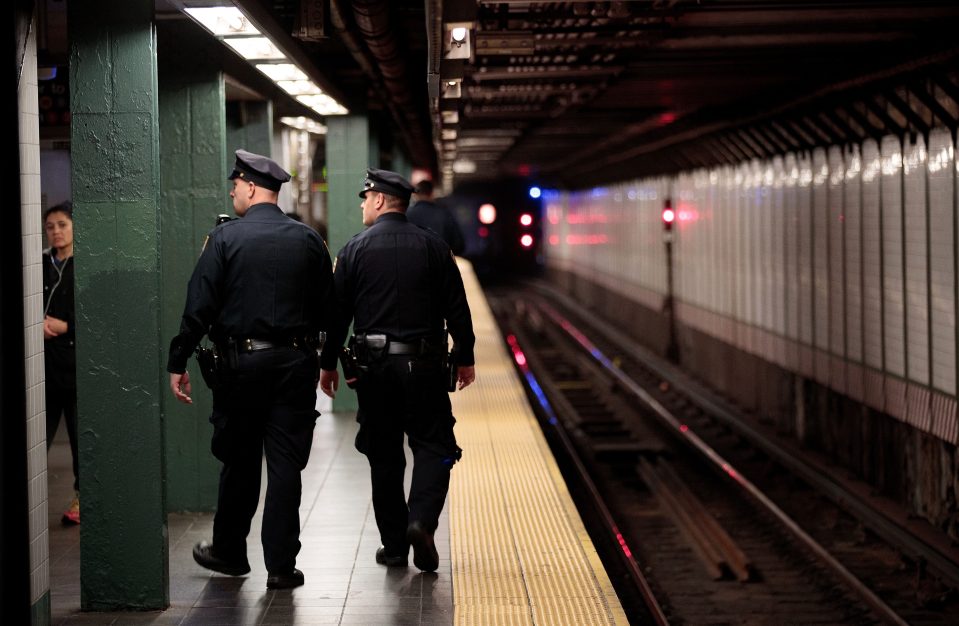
[[520, 553]]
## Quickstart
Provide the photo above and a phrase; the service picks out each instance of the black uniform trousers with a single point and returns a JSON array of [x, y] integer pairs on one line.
[[266, 403], [62, 400], [403, 394]]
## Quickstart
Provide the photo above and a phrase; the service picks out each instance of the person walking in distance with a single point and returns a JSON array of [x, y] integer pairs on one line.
[[427, 214]]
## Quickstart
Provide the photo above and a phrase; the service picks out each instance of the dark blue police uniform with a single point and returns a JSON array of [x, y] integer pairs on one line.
[[262, 290], [399, 284]]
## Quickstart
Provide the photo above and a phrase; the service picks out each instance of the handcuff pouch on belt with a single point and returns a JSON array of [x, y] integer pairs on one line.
[[210, 363]]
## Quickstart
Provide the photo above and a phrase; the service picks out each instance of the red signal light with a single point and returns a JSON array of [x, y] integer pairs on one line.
[[669, 216], [526, 241], [526, 219]]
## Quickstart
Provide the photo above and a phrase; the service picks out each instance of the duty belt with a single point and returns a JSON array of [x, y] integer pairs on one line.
[[254, 345], [398, 347], [370, 346]]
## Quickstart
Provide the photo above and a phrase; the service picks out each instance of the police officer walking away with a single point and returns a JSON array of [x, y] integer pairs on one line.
[[263, 291], [399, 283]]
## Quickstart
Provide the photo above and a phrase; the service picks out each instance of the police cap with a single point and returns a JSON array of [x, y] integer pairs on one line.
[[258, 169], [386, 181]]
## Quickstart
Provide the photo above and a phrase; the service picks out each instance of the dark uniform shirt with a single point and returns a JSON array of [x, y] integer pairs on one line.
[[264, 276], [398, 279], [428, 214]]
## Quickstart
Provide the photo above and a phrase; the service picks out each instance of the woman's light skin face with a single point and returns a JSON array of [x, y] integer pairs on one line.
[[59, 229]]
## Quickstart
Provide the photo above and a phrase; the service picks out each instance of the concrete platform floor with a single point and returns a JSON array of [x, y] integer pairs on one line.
[[344, 585]]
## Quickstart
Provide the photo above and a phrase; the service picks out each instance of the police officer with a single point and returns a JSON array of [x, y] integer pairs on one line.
[[263, 291], [399, 283]]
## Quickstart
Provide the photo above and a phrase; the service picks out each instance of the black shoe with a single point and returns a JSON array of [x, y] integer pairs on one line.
[[390, 561], [285, 581], [203, 555], [425, 556]]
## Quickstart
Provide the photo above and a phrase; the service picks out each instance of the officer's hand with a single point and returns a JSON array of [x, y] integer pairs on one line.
[[329, 382], [176, 380], [465, 374]]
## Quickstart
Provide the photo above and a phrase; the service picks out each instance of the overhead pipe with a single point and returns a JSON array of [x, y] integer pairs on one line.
[[368, 50]]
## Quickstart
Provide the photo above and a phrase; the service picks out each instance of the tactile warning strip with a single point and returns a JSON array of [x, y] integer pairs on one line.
[[519, 551]]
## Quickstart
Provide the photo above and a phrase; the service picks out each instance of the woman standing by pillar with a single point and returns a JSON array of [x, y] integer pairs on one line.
[[58, 334]]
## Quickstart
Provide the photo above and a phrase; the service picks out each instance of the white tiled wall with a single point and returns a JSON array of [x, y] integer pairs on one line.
[[33, 316], [942, 258], [915, 235], [893, 289], [839, 264]]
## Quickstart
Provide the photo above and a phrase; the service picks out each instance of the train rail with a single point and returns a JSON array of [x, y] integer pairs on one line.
[[743, 530]]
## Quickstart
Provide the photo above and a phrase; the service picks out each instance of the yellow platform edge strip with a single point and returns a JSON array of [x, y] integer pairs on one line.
[[520, 552]]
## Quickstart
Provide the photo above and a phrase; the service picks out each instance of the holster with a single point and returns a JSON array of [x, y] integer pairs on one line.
[[369, 348], [210, 366], [451, 370], [351, 369]]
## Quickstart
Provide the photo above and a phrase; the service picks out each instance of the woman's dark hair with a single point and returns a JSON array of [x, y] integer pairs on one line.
[[65, 207]]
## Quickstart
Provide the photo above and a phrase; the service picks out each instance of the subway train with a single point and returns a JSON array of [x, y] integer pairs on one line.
[[502, 226]]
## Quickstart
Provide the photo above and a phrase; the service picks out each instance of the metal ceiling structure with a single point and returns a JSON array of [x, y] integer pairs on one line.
[[580, 93]]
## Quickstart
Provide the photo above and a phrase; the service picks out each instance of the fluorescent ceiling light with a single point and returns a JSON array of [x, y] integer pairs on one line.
[[464, 166], [323, 104], [255, 48], [222, 20], [299, 87], [304, 123], [235, 29], [282, 71]]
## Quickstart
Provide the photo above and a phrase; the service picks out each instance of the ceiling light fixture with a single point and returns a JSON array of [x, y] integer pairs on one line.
[[231, 26]]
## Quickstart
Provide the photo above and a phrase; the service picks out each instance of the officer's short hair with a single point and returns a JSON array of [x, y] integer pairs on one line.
[[395, 202]]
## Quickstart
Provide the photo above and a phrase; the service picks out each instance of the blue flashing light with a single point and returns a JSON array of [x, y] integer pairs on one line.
[[535, 192]]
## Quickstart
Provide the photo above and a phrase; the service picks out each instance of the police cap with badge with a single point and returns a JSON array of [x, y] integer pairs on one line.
[[258, 169], [385, 181]]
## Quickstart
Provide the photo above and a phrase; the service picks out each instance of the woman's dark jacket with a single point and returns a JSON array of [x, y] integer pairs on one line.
[[60, 353]]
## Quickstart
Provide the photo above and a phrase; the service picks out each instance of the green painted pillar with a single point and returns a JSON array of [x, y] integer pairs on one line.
[[193, 186], [115, 154], [401, 164], [349, 147], [249, 125]]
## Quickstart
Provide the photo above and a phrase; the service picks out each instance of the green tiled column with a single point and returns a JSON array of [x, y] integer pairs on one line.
[[115, 154], [249, 125], [192, 191], [349, 145], [401, 165]]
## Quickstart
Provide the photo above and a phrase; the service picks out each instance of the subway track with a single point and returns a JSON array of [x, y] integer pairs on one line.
[[722, 527]]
